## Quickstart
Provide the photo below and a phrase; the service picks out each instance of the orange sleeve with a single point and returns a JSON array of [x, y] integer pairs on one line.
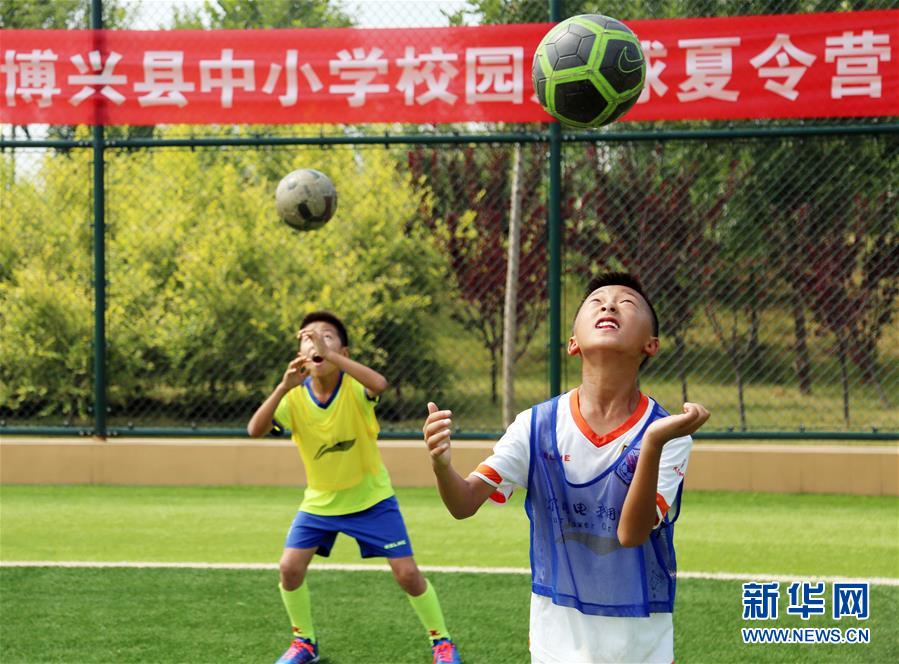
[[662, 505], [489, 473], [661, 509]]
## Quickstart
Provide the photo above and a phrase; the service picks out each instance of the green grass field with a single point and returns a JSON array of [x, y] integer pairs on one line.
[[189, 615], [90, 615]]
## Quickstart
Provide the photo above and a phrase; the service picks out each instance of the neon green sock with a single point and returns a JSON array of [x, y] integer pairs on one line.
[[427, 606], [299, 608]]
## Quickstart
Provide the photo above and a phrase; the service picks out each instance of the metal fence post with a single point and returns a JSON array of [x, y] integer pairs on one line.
[[555, 241], [99, 172]]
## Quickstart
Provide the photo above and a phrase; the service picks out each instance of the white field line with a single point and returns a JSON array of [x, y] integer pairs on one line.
[[348, 567]]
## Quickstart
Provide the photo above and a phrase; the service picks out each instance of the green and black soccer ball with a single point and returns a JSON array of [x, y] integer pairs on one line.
[[589, 70]]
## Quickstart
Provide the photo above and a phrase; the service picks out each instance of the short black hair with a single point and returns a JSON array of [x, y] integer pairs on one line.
[[327, 317], [629, 281]]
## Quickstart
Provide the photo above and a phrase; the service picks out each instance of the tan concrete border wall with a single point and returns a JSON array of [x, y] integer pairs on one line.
[[783, 468]]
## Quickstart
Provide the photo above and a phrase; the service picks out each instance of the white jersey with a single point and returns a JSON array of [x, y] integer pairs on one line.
[[562, 634]]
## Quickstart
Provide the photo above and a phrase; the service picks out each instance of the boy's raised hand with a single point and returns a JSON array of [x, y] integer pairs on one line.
[[679, 425], [296, 372], [437, 430], [321, 348]]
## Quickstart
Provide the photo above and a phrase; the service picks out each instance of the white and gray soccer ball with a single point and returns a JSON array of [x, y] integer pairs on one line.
[[306, 199]]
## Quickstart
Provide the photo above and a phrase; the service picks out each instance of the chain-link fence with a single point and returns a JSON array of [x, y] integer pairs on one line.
[[773, 260], [772, 263]]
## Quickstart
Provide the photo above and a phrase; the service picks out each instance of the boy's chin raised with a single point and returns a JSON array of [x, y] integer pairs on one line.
[[606, 349]]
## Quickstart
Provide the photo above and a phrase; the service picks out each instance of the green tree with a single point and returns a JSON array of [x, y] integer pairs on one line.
[[466, 203], [60, 14], [851, 281], [647, 209], [522, 11], [261, 14], [799, 195], [206, 285], [45, 292]]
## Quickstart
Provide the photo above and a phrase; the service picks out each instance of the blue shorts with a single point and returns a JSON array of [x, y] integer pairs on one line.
[[379, 531]]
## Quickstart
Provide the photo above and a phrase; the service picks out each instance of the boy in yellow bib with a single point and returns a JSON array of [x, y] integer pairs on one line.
[[328, 401]]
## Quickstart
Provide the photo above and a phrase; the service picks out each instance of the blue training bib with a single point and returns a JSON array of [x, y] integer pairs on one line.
[[576, 558]]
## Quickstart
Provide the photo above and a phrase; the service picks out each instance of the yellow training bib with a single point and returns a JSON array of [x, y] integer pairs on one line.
[[337, 441]]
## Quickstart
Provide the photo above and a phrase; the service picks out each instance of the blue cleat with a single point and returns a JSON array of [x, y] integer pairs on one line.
[[445, 652], [301, 651]]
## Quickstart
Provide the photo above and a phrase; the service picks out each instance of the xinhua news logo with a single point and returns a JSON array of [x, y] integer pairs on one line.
[[761, 602]]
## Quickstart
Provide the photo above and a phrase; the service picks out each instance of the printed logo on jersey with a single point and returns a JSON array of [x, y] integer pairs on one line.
[[339, 446], [596, 543], [626, 469]]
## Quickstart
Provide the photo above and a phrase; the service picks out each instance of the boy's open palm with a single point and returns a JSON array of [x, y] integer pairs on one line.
[[679, 425], [437, 431]]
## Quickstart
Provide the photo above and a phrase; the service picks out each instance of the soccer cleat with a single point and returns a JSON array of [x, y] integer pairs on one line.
[[301, 651], [445, 652]]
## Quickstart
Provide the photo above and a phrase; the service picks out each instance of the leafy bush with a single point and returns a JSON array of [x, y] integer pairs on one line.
[[206, 287]]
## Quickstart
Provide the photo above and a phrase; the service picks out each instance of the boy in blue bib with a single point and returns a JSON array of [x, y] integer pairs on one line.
[[603, 466]]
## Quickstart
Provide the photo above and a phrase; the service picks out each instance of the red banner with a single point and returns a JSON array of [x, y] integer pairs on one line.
[[802, 65]]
